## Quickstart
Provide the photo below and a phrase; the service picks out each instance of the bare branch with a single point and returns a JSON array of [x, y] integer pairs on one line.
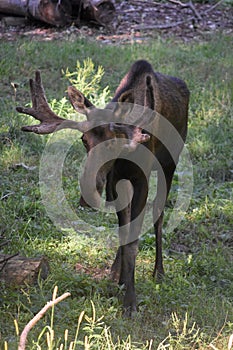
[[8, 258], [162, 26], [230, 342], [214, 6], [39, 315], [4, 261], [176, 24], [187, 5], [4, 243], [5, 196]]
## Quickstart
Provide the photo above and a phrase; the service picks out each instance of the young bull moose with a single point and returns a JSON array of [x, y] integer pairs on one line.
[[144, 126]]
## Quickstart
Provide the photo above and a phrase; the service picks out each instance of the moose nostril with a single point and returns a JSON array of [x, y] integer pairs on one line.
[[111, 143], [111, 127]]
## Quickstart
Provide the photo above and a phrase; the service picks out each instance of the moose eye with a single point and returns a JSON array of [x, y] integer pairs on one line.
[[84, 141]]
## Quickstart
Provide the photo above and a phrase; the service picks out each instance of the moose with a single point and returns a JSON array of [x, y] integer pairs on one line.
[[144, 127]]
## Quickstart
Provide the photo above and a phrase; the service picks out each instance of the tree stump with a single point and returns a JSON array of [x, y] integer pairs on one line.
[[17, 270]]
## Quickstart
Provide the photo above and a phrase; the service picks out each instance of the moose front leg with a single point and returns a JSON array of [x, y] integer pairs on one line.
[[128, 258], [158, 269], [129, 247], [124, 224], [122, 200]]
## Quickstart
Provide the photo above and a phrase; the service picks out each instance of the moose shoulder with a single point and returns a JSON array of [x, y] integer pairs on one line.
[[143, 128]]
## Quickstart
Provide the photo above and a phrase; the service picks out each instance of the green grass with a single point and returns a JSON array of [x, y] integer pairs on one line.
[[193, 307]]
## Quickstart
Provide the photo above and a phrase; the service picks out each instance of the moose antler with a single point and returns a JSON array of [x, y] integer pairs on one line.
[[40, 110]]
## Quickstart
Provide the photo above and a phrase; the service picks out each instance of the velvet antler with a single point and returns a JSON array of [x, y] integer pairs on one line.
[[40, 110]]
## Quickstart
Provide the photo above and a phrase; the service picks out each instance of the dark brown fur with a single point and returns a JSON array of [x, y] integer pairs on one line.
[[169, 97]]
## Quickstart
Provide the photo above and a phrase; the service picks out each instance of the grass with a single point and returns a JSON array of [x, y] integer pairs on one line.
[[192, 308]]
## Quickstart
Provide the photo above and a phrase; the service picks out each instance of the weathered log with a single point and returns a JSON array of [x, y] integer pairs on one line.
[[61, 12], [100, 11], [14, 7], [15, 21], [16, 270], [55, 12]]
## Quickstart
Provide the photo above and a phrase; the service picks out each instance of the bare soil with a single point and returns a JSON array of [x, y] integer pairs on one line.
[[135, 21]]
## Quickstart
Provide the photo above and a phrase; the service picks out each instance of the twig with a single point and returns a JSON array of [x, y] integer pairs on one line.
[[230, 343], [186, 5], [162, 26], [4, 261], [213, 7], [213, 347], [6, 195], [218, 335], [8, 258], [4, 243], [145, 2], [24, 166], [39, 315]]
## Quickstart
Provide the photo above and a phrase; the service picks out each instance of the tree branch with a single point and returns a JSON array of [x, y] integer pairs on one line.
[[187, 5], [39, 315], [162, 26], [213, 7]]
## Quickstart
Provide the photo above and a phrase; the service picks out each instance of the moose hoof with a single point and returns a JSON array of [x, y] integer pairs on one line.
[[130, 312], [115, 275], [158, 275]]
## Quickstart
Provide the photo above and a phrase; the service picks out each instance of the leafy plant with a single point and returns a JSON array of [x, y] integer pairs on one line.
[[87, 78]]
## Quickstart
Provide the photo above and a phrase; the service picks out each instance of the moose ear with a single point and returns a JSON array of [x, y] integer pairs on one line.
[[127, 96], [80, 103], [124, 105], [149, 95]]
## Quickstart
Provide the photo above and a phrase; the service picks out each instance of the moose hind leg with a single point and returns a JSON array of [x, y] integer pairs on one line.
[[164, 185], [116, 266], [158, 268]]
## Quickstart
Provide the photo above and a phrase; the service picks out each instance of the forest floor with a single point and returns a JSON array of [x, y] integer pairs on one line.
[[135, 21], [192, 307]]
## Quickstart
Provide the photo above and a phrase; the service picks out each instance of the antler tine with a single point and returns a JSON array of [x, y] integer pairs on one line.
[[40, 110], [36, 89], [37, 92]]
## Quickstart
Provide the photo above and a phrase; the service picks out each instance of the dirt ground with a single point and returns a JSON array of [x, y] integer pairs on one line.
[[135, 21]]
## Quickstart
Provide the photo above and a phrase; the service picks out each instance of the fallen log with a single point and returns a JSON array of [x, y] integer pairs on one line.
[[61, 12], [16, 270], [50, 11], [99, 11], [14, 7]]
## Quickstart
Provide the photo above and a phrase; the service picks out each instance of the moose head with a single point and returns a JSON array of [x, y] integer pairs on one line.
[[110, 127]]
